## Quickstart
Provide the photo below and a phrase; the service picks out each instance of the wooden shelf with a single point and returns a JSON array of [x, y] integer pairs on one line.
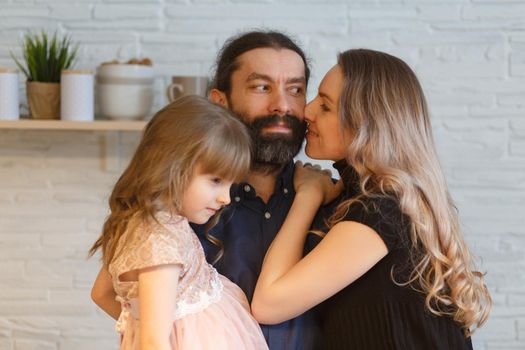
[[30, 124]]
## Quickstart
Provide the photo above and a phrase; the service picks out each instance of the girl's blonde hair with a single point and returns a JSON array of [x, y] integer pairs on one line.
[[188, 132], [393, 152]]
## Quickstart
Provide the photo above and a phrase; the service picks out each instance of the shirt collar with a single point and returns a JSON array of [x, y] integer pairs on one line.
[[284, 182]]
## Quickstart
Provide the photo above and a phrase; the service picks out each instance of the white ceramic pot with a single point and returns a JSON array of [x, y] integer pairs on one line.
[[125, 71], [125, 91], [118, 101]]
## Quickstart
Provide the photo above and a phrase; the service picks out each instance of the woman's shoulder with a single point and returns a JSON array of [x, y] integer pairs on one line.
[[385, 208], [383, 214]]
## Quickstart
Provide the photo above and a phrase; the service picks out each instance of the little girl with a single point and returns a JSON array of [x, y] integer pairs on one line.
[[167, 296]]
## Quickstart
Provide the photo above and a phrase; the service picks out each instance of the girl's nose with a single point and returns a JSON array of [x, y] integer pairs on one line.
[[224, 197]]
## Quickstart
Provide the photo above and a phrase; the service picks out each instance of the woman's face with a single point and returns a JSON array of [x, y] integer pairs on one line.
[[325, 139]]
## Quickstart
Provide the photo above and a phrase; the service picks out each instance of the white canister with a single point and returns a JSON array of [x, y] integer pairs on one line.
[[9, 104], [125, 91], [77, 95]]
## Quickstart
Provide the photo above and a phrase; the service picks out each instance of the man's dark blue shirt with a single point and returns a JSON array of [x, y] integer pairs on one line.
[[247, 227]]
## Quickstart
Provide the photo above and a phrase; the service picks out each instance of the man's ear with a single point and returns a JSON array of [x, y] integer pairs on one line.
[[219, 97]]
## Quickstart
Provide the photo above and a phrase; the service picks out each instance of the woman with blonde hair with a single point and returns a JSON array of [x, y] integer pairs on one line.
[[393, 270], [167, 296]]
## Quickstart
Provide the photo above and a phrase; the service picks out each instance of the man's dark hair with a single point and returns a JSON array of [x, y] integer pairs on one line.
[[227, 63]]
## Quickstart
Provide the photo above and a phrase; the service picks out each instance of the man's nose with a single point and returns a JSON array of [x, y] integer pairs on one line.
[[280, 104]]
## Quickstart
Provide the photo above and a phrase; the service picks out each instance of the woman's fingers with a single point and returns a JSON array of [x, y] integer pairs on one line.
[[335, 190], [310, 166], [311, 176]]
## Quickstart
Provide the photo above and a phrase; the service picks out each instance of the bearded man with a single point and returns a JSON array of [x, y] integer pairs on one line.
[[261, 77]]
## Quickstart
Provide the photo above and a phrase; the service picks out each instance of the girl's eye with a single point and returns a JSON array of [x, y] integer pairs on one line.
[[216, 180]]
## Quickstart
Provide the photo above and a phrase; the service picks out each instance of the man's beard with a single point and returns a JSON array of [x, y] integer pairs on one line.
[[271, 151]]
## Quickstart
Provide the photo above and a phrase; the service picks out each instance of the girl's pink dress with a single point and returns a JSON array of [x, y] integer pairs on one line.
[[211, 312]]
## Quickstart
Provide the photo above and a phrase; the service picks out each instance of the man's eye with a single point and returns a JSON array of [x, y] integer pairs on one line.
[[298, 90], [324, 108], [261, 88]]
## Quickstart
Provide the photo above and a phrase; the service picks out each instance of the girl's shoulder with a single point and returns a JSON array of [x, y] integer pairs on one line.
[[165, 239], [163, 226], [171, 224], [165, 231]]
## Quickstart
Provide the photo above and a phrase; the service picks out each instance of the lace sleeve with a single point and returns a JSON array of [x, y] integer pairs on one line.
[[152, 245]]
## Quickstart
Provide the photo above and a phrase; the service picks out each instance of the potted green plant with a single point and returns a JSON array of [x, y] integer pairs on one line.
[[44, 60]]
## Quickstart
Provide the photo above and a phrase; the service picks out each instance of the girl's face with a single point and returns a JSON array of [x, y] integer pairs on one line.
[[325, 139], [204, 196]]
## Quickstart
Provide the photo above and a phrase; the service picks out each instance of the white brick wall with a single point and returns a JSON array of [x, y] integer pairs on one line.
[[470, 56]]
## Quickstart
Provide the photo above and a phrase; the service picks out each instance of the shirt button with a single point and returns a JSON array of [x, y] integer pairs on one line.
[[267, 215], [285, 191], [246, 188], [237, 199]]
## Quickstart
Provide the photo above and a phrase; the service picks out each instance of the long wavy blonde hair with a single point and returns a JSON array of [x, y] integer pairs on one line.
[[393, 152], [188, 132]]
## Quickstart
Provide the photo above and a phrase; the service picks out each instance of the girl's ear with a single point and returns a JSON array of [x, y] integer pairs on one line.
[[219, 97]]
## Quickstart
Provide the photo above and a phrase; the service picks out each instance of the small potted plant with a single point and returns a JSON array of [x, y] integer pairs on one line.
[[44, 60]]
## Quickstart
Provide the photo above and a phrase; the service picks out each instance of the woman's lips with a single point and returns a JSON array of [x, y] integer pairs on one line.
[[311, 133]]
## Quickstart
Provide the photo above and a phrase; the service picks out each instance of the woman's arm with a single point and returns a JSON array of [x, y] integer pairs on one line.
[[287, 285], [104, 295], [157, 290]]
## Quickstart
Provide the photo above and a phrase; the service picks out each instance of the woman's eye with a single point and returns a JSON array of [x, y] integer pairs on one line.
[[324, 108]]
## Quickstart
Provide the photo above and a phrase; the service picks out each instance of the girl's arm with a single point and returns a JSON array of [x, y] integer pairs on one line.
[[287, 285], [104, 295], [157, 290]]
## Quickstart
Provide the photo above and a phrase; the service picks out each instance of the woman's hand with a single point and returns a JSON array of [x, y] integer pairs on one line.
[[316, 182]]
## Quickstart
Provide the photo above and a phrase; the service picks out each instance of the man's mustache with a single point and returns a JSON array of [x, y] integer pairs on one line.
[[290, 121]]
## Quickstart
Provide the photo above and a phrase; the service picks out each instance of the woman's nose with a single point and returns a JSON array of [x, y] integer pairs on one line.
[[309, 114]]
